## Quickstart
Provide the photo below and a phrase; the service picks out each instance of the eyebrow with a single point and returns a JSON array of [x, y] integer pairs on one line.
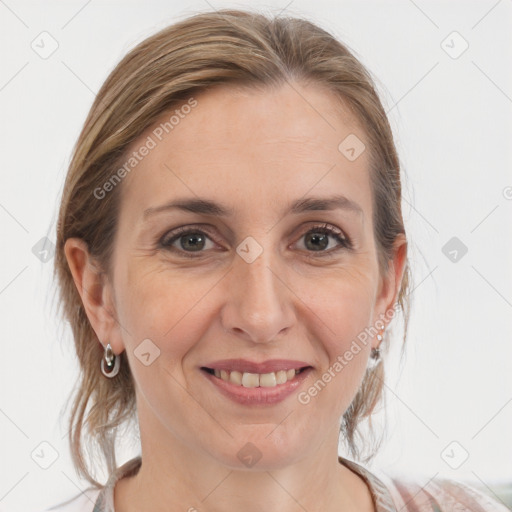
[[209, 207]]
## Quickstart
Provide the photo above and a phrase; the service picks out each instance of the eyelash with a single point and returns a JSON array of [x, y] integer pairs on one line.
[[166, 243]]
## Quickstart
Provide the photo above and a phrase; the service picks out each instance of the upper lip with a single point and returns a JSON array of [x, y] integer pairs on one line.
[[243, 365]]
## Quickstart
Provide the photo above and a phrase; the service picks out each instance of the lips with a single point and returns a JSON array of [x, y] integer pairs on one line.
[[251, 389]]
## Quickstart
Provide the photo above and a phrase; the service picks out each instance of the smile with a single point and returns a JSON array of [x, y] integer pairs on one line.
[[256, 389], [254, 380]]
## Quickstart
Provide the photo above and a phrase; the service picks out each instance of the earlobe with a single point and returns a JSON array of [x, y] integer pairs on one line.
[[93, 289]]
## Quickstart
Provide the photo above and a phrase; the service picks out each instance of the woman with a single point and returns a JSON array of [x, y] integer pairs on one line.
[[231, 252]]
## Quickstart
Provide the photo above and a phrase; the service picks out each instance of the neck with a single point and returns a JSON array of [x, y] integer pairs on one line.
[[175, 477], [178, 475]]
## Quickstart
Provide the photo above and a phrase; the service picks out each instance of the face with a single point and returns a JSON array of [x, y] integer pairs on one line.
[[261, 282]]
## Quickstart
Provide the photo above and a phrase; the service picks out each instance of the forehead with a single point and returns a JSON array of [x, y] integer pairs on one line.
[[237, 142]]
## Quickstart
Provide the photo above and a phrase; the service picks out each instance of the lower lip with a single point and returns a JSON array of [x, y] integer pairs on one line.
[[257, 395]]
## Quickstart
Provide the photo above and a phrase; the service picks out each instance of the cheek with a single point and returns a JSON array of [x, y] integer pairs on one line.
[[343, 302], [346, 357], [343, 309], [165, 307]]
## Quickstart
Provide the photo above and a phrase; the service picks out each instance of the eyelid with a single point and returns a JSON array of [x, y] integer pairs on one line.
[[176, 233], [344, 242]]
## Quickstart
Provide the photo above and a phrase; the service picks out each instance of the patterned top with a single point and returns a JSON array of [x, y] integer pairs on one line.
[[390, 494]]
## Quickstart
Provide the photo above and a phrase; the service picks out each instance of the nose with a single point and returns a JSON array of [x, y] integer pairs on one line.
[[259, 305]]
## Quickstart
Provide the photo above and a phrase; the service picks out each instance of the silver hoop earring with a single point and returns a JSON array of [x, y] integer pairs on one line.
[[113, 363]]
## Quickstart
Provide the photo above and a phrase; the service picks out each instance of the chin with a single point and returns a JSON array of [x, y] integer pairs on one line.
[[260, 452]]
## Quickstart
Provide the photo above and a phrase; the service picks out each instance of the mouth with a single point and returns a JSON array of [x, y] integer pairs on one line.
[[254, 380], [255, 389]]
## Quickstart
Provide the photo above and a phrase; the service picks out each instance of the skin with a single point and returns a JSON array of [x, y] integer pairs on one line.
[[254, 151]]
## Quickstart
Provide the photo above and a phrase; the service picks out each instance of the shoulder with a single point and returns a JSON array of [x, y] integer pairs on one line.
[[439, 495], [83, 502]]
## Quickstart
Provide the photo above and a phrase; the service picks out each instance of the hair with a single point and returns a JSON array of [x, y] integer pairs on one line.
[[226, 47]]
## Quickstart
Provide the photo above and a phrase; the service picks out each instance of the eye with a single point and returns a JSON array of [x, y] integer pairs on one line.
[[319, 238], [186, 239], [323, 239]]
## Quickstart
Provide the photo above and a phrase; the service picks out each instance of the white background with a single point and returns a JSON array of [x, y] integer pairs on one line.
[[452, 122]]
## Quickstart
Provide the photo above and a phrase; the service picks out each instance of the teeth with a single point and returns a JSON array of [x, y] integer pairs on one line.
[[250, 380], [253, 380], [281, 377], [235, 378], [268, 380]]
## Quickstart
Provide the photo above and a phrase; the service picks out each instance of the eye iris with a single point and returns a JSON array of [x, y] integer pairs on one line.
[[189, 241], [319, 240]]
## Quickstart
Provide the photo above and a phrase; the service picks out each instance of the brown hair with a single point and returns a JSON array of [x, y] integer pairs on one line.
[[193, 55]]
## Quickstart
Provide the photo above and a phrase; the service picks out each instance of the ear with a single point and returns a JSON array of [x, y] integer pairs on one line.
[[95, 291], [389, 284]]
